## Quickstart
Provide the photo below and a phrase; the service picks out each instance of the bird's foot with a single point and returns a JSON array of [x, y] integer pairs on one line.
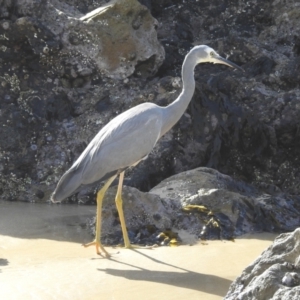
[[98, 247]]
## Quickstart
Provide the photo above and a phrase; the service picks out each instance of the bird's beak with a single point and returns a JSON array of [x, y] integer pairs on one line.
[[221, 60]]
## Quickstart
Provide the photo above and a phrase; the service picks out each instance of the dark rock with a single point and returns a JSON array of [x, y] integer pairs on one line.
[[237, 207], [55, 98], [198, 204], [40, 194], [141, 212]]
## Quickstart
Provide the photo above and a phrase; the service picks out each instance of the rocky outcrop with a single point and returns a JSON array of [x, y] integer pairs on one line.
[[234, 205], [113, 40], [57, 91], [123, 39], [199, 204], [51, 55], [146, 216], [274, 275]]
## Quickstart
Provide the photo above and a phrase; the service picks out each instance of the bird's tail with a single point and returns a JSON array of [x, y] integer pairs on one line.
[[67, 185]]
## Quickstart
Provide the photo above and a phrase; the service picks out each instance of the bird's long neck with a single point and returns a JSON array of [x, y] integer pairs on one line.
[[174, 111]]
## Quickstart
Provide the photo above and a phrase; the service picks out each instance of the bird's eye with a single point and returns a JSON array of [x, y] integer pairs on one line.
[[211, 53]]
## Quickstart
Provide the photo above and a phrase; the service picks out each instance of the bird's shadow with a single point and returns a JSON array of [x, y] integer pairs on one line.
[[3, 262], [187, 279]]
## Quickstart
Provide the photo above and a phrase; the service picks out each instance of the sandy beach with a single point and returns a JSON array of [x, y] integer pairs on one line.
[[41, 257]]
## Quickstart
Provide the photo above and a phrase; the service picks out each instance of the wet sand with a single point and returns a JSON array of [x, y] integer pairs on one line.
[[41, 258]]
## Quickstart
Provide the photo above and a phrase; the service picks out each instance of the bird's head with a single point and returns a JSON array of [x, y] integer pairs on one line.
[[204, 54]]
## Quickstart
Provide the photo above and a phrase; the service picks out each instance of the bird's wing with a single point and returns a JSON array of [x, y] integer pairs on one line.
[[125, 140], [121, 143]]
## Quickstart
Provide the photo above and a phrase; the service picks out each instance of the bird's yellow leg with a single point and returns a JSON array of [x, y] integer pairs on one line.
[[100, 196], [119, 204]]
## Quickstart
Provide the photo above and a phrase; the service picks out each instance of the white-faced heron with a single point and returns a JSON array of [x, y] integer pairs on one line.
[[128, 139]]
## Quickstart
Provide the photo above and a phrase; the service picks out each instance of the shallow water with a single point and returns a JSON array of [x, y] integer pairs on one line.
[[41, 258], [59, 222]]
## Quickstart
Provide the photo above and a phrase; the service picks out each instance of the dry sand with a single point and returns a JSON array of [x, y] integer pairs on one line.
[[41, 258]]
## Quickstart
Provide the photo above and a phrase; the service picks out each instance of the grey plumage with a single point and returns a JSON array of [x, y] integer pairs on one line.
[[130, 137], [111, 149]]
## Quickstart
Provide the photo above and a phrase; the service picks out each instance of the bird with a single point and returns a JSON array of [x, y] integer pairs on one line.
[[127, 140]]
